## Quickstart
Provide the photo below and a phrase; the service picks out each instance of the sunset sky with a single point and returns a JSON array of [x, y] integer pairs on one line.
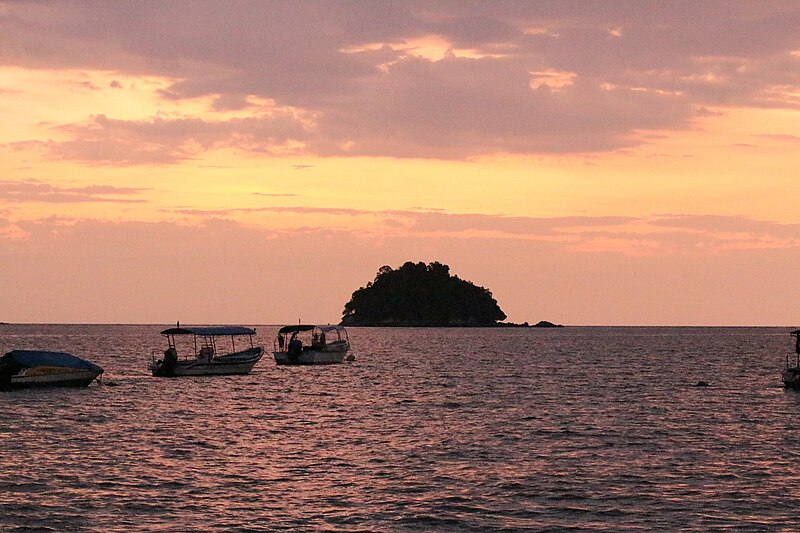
[[255, 162]]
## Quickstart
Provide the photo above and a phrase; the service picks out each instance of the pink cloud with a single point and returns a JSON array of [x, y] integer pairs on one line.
[[95, 280], [780, 137], [728, 224], [275, 194], [654, 235], [39, 191], [111, 141]]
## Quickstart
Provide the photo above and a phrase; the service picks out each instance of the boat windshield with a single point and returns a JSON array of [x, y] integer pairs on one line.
[[331, 334]]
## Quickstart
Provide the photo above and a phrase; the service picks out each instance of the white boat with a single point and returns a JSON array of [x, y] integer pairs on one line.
[[203, 358], [312, 345], [791, 374], [34, 368]]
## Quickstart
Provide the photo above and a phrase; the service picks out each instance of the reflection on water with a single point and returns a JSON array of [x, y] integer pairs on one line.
[[456, 429]]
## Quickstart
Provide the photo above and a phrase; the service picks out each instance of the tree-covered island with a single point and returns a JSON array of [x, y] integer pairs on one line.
[[417, 294]]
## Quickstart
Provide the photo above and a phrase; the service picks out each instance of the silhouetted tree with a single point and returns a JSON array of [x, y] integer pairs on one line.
[[417, 294]]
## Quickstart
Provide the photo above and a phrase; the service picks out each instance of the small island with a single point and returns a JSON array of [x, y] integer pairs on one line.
[[419, 294], [540, 324], [546, 324]]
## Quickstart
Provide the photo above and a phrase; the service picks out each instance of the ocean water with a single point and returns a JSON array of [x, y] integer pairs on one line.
[[428, 430]]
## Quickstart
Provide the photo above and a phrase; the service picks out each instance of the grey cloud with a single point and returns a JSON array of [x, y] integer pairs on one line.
[[230, 102], [635, 66], [459, 107]]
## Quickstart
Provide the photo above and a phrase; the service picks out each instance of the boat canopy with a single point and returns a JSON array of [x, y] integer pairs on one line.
[[34, 358], [212, 331], [299, 327], [309, 327]]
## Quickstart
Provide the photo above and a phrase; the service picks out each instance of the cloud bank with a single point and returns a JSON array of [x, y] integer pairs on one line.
[[655, 235], [410, 79]]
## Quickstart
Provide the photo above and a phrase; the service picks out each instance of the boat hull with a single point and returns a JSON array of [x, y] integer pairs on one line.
[[312, 357], [226, 365], [791, 378], [39, 377]]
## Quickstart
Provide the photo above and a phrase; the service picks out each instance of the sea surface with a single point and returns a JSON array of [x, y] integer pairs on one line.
[[595, 429]]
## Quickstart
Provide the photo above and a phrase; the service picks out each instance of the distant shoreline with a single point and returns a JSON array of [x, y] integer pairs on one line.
[[541, 324], [279, 324]]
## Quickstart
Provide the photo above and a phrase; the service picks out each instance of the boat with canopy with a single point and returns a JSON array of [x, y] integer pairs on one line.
[[306, 344], [791, 374], [37, 368], [202, 355]]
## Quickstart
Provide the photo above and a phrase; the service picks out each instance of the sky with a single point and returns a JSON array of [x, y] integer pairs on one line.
[[591, 163]]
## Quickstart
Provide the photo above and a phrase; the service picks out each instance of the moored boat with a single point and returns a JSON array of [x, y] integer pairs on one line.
[[204, 359], [306, 344], [791, 374], [36, 368]]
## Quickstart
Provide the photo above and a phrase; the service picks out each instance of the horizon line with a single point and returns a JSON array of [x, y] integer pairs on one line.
[[409, 327]]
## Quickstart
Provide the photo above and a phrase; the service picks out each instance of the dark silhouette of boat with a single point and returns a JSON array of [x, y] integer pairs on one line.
[[791, 374], [311, 345], [35, 368], [205, 360]]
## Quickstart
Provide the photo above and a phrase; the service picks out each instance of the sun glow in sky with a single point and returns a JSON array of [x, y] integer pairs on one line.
[[601, 163]]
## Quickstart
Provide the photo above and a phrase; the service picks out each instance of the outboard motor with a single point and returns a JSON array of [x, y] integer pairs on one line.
[[8, 368], [170, 360], [6, 371], [295, 349]]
